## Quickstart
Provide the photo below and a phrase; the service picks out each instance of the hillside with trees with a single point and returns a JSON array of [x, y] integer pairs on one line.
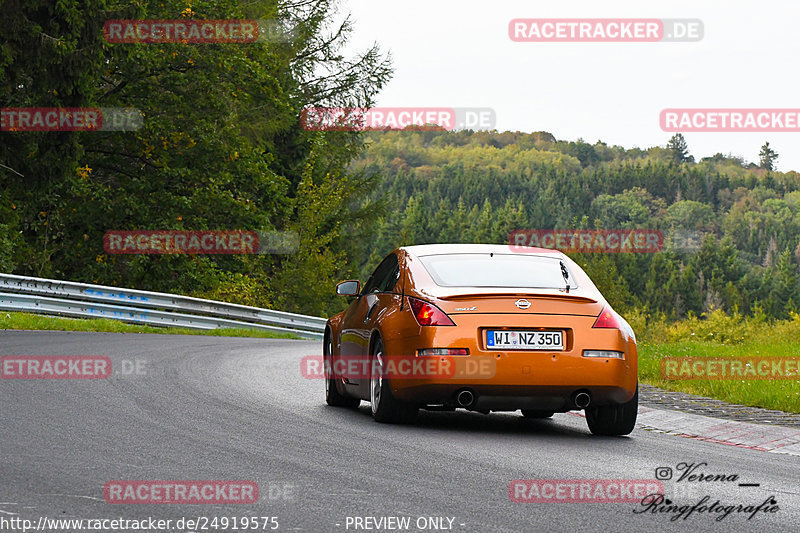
[[478, 186]]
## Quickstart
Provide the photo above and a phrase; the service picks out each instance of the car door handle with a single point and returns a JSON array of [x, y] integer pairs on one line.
[[369, 313]]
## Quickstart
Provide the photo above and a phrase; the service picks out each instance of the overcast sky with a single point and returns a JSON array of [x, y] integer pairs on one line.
[[457, 53]]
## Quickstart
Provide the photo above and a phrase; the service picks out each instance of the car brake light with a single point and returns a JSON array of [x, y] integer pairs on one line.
[[428, 314], [607, 319]]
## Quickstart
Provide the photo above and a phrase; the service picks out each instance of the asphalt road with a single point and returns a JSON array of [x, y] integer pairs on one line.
[[209, 408]]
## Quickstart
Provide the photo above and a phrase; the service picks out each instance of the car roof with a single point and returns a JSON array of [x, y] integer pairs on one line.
[[455, 248]]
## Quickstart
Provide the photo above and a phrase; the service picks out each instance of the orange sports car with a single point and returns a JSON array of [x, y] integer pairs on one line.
[[484, 328]]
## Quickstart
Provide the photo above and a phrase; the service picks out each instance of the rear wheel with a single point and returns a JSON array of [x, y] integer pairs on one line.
[[613, 419], [332, 395], [534, 413], [385, 407]]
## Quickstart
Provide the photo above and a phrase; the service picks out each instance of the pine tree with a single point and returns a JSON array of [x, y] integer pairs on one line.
[[679, 149], [767, 157]]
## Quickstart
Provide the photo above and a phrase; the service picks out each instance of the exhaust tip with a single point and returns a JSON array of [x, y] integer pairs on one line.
[[582, 399], [465, 398]]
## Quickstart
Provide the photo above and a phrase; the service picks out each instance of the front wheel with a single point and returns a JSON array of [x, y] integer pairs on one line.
[[385, 407], [613, 419]]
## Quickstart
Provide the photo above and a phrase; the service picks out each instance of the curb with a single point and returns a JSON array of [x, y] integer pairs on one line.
[[759, 437], [773, 439]]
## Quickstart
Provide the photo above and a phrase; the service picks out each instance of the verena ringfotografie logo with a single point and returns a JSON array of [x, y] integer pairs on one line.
[[689, 495], [582, 490], [55, 367], [587, 30], [397, 118], [200, 242], [755, 368], [423, 367], [19, 119], [589, 240], [729, 120], [183, 492]]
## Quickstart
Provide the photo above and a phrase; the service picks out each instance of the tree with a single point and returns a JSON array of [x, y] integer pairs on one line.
[[221, 145], [634, 208], [679, 149], [414, 225], [688, 214], [767, 157], [481, 229]]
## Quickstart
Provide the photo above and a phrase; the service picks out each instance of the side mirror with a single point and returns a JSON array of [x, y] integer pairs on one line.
[[348, 288]]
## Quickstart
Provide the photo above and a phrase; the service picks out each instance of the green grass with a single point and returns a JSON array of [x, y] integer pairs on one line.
[[38, 322], [719, 335]]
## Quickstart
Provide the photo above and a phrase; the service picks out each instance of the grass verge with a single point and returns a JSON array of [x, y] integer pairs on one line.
[[39, 322], [719, 335]]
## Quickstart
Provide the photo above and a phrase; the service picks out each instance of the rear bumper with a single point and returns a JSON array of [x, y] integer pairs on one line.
[[546, 380], [510, 398]]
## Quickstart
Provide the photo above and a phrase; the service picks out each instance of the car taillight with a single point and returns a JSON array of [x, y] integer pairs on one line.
[[607, 319], [428, 314]]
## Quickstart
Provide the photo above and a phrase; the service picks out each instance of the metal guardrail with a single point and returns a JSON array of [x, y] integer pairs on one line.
[[81, 300]]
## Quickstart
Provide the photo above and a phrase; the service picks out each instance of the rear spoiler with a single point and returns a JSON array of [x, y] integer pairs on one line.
[[562, 296]]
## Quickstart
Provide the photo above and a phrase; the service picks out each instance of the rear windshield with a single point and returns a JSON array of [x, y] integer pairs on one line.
[[498, 270]]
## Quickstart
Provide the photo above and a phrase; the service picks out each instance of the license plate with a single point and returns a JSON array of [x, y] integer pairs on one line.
[[524, 340]]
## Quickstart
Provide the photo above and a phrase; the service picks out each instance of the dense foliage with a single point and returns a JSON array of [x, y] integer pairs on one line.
[[221, 146]]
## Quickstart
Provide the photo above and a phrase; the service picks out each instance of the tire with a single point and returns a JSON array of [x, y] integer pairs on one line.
[[385, 407], [332, 395], [533, 413], [618, 419]]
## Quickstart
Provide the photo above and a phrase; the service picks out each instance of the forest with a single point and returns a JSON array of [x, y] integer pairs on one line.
[[465, 186]]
